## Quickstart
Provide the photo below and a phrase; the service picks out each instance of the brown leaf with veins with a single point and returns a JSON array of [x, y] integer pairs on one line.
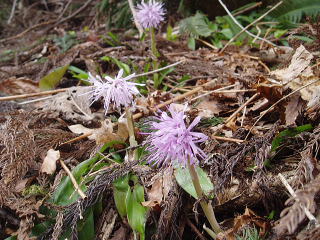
[[294, 106]]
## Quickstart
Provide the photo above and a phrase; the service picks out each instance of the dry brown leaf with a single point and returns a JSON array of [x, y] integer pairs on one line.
[[162, 184], [105, 133], [74, 104], [294, 106], [16, 86], [299, 73], [208, 108], [299, 62], [49, 164]]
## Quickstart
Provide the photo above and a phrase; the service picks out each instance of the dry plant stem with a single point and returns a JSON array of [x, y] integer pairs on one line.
[[132, 139], [207, 44], [76, 138], [293, 194], [194, 228], [27, 30], [134, 14], [208, 211], [280, 100], [258, 4], [22, 96], [13, 9], [175, 99], [245, 29], [242, 107], [227, 139], [73, 180]]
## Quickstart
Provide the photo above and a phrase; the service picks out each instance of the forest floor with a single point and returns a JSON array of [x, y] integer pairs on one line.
[[259, 108]]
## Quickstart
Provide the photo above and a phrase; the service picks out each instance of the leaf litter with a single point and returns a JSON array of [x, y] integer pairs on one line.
[[243, 159]]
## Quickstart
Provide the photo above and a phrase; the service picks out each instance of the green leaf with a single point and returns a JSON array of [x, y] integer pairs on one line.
[[278, 33], [79, 74], [136, 213], [183, 178], [65, 193], [290, 132], [51, 80], [120, 64], [192, 43], [120, 189], [86, 226], [303, 38], [227, 33], [196, 26]]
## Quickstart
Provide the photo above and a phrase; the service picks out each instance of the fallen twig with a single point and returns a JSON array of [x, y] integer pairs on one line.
[[244, 29], [73, 180], [293, 194], [241, 107], [227, 139], [280, 100]]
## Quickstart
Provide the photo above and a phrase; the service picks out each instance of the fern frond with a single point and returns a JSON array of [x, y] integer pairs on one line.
[[195, 26], [294, 10]]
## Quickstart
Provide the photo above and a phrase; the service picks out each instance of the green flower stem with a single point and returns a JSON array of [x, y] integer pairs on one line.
[[132, 139], [153, 43], [206, 207]]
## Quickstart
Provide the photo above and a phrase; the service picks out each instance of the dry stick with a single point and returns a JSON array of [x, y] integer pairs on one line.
[[293, 194], [13, 9], [194, 228], [248, 8], [280, 100], [27, 30], [213, 91], [227, 139], [241, 107], [245, 29], [175, 99], [9, 98], [73, 180], [134, 14], [83, 7], [206, 206], [76, 138], [159, 69], [208, 44]]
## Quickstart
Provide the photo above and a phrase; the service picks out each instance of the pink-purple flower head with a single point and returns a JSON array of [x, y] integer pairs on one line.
[[150, 14], [118, 90], [172, 142]]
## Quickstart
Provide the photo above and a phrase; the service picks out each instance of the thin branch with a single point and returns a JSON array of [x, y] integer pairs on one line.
[[241, 107], [258, 4], [293, 194], [245, 29], [28, 95], [134, 14], [13, 9], [73, 180], [159, 69], [280, 100]]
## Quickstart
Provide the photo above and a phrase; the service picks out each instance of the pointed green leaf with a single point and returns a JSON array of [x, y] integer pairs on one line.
[[51, 80], [136, 213], [120, 189], [183, 178]]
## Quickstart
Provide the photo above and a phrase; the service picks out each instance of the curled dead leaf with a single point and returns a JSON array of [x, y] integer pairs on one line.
[[106, 133], [49, 164]]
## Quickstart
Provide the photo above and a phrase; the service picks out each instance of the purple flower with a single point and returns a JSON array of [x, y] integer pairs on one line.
[[150, 14], [172, 141], [118, 90]]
